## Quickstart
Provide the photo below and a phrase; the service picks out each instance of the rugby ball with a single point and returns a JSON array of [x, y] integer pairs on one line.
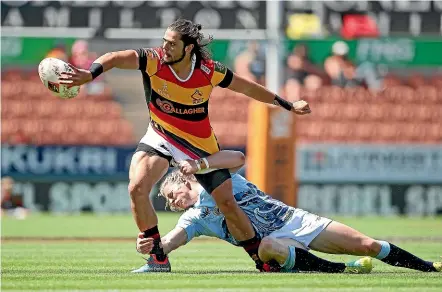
[[49, 71]]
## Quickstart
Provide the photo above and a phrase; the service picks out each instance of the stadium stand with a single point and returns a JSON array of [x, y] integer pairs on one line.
[[405, 111], [32, 115]]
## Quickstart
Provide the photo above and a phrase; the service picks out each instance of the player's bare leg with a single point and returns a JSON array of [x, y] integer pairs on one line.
[[145, 171], [276, 249], [292, 256], [338, 238], [237, 221]]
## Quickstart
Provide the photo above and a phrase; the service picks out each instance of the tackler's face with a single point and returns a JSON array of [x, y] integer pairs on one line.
[[178, 196], [173, 47]]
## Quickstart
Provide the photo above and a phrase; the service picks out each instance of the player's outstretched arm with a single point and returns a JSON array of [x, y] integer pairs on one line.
[[173, 240], [127, 59], [262, 94], [225, 159]]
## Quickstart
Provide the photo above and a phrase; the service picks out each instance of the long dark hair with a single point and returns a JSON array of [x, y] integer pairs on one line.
[[190, 34]]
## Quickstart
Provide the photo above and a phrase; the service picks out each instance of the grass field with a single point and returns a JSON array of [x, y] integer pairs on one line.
[[87, 252]]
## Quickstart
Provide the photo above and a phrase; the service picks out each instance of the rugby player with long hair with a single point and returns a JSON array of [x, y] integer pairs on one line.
[[178, 79]]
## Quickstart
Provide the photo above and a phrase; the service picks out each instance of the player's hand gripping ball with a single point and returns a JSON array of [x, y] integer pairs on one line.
[[301, 107], [50, 70]]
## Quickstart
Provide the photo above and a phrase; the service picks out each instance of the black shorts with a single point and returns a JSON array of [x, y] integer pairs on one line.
[[210, 181]]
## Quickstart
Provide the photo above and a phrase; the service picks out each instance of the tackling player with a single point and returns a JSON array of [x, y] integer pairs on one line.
[[178, 80], [282, 227]]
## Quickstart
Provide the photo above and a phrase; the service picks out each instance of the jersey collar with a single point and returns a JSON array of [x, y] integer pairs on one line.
[[191, 70]]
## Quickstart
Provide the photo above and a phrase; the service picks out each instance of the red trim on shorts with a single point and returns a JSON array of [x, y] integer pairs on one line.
[[177, 145]]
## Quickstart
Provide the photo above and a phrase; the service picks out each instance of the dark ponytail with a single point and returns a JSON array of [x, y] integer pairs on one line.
[[190, 34]]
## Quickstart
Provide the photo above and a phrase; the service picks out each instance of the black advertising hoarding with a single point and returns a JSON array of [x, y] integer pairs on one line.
[[114, 18], [326, 199], [73, 197], [110, 196], [392, 17], [101, 18]]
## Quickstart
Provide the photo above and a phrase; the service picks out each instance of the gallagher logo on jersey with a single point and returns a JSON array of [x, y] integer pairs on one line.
[[168, 108]]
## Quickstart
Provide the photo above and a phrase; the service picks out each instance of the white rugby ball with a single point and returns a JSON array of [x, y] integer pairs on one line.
[[50, 70]]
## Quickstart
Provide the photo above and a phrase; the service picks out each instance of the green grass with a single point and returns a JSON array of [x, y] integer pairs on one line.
[[123, 226], [201, 265], [81, 226]]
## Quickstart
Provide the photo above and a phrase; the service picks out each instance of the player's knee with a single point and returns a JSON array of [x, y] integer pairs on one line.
[[265, 248], [137, 189], [370, 247], [227, 205], [133, 188]]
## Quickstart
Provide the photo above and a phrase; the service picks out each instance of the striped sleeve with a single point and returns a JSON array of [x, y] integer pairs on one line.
[[148, 60], [222, 76]]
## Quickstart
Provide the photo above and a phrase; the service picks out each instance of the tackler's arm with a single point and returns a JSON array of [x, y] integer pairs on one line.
[[170, 242], [226, 159], [232, 160]]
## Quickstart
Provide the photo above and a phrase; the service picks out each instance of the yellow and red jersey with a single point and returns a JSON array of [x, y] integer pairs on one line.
[[179, 108]]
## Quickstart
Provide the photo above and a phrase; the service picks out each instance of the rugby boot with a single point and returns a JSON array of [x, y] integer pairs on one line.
[[360, 266], [153, 265]]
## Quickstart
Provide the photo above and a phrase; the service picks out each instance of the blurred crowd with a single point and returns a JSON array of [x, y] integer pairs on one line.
[[301, 72], [12, 203], [81, 57], [351, 102], [31, 115]]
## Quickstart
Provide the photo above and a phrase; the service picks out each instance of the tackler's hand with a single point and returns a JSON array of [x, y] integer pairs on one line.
[[144, 245], [188, 167]]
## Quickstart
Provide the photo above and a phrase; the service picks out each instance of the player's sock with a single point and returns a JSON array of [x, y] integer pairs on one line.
[[157, 250], [290, 260], [301, 260], [251, 247], [395, 256]]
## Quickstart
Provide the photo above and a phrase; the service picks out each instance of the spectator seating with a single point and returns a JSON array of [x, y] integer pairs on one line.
[[407, 112], [30, 114]]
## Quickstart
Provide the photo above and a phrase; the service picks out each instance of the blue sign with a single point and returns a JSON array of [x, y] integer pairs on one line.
[[66, 162]]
